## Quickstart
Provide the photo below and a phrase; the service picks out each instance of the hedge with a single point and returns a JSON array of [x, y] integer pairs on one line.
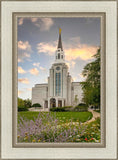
[[58, 109], [36, 105], [22, 108], [81, 108]]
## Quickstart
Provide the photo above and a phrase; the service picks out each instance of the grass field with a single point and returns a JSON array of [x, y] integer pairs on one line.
[[62, 116]]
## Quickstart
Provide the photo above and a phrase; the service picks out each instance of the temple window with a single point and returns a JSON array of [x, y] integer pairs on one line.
[[59, 56]]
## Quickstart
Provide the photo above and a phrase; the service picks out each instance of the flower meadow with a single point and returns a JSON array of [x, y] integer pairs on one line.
[[48, 128]]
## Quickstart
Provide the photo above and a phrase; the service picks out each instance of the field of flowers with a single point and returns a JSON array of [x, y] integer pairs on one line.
[[49, 128]]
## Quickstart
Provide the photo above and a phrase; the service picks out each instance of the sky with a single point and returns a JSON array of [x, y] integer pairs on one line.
[[37, 43]]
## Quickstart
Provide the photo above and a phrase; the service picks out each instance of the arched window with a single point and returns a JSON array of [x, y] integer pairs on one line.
[[58, 55], [61, 56]]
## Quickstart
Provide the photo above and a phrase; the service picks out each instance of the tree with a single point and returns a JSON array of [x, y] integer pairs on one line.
[[20, 102], [21, 105], [27, 103], [91, 86]]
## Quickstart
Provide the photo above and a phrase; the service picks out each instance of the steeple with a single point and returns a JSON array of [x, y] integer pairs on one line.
[[59, 55], [59, 41]]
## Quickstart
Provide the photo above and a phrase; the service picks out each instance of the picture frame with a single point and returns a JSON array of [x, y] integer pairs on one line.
[[9, 12]]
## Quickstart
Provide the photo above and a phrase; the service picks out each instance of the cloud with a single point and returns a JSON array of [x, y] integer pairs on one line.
[[20, 92], [73, 51], [42, 68], [24, 45], [24, 51], [20, 60], [20, 21], [34, 19], [23, 80], [43, 23], [28, 89], [22, 56], [70, 64], [47, 48], [46, 80], [36, 64], [34, 71], [74, 79], [21, 70], [83, 52]]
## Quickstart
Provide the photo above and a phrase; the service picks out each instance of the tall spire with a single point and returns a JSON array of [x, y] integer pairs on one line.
[[59, 55], [59, 41]]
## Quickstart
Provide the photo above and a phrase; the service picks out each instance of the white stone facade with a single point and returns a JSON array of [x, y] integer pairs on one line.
[[60, 90]]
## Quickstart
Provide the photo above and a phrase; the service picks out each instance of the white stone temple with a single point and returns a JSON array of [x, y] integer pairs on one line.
[[60, 90]]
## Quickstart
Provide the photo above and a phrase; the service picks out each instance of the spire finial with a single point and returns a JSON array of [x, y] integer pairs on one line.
[[59, 30], [59, 42]]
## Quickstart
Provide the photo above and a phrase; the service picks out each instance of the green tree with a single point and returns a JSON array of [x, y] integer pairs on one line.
[[27, 103], [91, 86], [21, 105], [20, 102]]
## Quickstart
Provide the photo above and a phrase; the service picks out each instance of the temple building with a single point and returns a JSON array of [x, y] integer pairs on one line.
[[60, 90]]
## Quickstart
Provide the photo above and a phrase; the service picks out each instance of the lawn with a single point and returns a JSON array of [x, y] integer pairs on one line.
[[61, 116]]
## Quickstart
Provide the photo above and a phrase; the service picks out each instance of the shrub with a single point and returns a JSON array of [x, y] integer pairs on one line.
[[36, 105], [68, 108], [82, 104], [58, 109], [81, 109], [22, 108]]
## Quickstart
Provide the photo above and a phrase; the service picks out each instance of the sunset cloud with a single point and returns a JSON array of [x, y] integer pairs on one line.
[[21, 70], [70, 64], [36, 64], [20, 92], [46, 80], [74, 79], [24, 51], [20, 60], [34, 71], [47, 48], [20, 21], [81, 51], [22, 56], [34, 19], [28, 89], [24, 45], [23, 80], [42, 68]]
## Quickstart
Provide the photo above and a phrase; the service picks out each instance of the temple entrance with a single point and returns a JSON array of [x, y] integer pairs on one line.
[[59, 103], [52, 102]]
